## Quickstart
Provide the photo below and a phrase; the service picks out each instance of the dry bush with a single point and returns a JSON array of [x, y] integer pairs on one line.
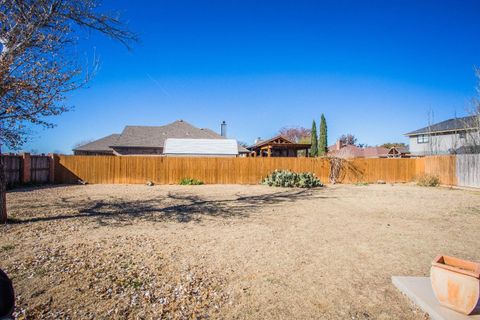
[[428, 180]]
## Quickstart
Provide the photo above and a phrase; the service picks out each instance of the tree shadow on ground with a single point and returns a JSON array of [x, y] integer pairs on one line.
[[35, 186], [184, 208]]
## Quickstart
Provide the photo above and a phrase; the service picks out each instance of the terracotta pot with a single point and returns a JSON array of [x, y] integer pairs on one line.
[[456, 283]]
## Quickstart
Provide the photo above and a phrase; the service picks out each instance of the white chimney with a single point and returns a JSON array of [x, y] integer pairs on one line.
[[223, 129]]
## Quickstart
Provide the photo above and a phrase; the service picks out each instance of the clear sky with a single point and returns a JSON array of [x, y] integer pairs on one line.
[[374, 68]]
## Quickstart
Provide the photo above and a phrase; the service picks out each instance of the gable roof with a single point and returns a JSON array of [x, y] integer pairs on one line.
[[242, 149], [351, 151], [200, 147], [279, 139], [448, 125], [100, 145], [398, 150], [348, 151], [155, 136], [374, 152]]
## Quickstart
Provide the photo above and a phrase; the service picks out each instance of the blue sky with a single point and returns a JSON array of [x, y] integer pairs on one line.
[[374, 68]]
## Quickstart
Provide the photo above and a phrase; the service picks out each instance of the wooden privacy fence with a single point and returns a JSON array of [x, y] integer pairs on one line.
[[26, 168], [468, 170], [13, 169], [441, 166], [167, 170]]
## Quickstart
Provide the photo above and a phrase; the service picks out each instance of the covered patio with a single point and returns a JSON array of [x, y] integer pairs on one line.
[[278, 147]]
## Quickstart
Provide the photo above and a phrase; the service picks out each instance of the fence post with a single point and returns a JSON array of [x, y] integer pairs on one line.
[[27, 166], [53, 159]]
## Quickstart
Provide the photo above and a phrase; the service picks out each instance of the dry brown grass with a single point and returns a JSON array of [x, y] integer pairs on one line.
[[249, 252]]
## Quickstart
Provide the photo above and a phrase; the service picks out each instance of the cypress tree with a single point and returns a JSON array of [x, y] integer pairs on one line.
[[323, 139], [314, 147]]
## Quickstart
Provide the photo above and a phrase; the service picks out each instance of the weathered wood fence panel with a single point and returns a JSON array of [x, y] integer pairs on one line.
[[13, 169], [468, 170], [169, 170], [26, 168], [39, 169]]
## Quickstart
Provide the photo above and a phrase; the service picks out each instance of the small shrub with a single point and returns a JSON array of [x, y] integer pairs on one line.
[[428, 180], [190, 182], [288, 179], [361, 183]]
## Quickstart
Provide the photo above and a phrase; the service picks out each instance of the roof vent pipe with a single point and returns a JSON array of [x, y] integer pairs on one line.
[[223, 129]]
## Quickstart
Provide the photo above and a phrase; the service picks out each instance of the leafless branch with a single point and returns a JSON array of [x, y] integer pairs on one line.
[[37, 65]]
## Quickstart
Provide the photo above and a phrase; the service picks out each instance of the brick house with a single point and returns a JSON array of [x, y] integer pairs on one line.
[[148, 140]]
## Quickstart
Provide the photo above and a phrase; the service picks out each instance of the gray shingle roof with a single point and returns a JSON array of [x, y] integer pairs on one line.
[[155, 136], [102, 144], [151, 137], [448, 125], [242, 149]]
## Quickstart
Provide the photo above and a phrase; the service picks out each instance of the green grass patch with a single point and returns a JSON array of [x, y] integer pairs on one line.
[[362, 183]]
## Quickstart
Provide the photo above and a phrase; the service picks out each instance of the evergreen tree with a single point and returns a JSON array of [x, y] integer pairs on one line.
[[314, 147], [323, 139]]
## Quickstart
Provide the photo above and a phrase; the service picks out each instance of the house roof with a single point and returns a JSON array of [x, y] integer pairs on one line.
[[467, 150], [373, 152], [100, 145], [398, 149], [155, 136], [448, 125], [152, 137], [348, 151], [200, 147], [351, 151], [278, 141], [265, 142]]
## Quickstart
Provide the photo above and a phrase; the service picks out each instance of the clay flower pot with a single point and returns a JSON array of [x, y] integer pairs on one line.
[[456, 283]]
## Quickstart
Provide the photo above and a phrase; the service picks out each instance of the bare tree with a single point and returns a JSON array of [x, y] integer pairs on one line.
[[295, 134], [432, 140], [39, 64], [473, 125], [347, 139], [390, 145], [336, 166], [243, 144]]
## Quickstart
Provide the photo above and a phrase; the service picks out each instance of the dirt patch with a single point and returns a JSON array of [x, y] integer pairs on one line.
[[117, 251]]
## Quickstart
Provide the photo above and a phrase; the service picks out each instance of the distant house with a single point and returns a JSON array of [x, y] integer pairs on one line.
[[278, 147], [398, 152], [351, 151], [457, 135], [150, 140]]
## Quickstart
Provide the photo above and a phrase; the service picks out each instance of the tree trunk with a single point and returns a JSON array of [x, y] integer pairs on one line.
[[3, 193]]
